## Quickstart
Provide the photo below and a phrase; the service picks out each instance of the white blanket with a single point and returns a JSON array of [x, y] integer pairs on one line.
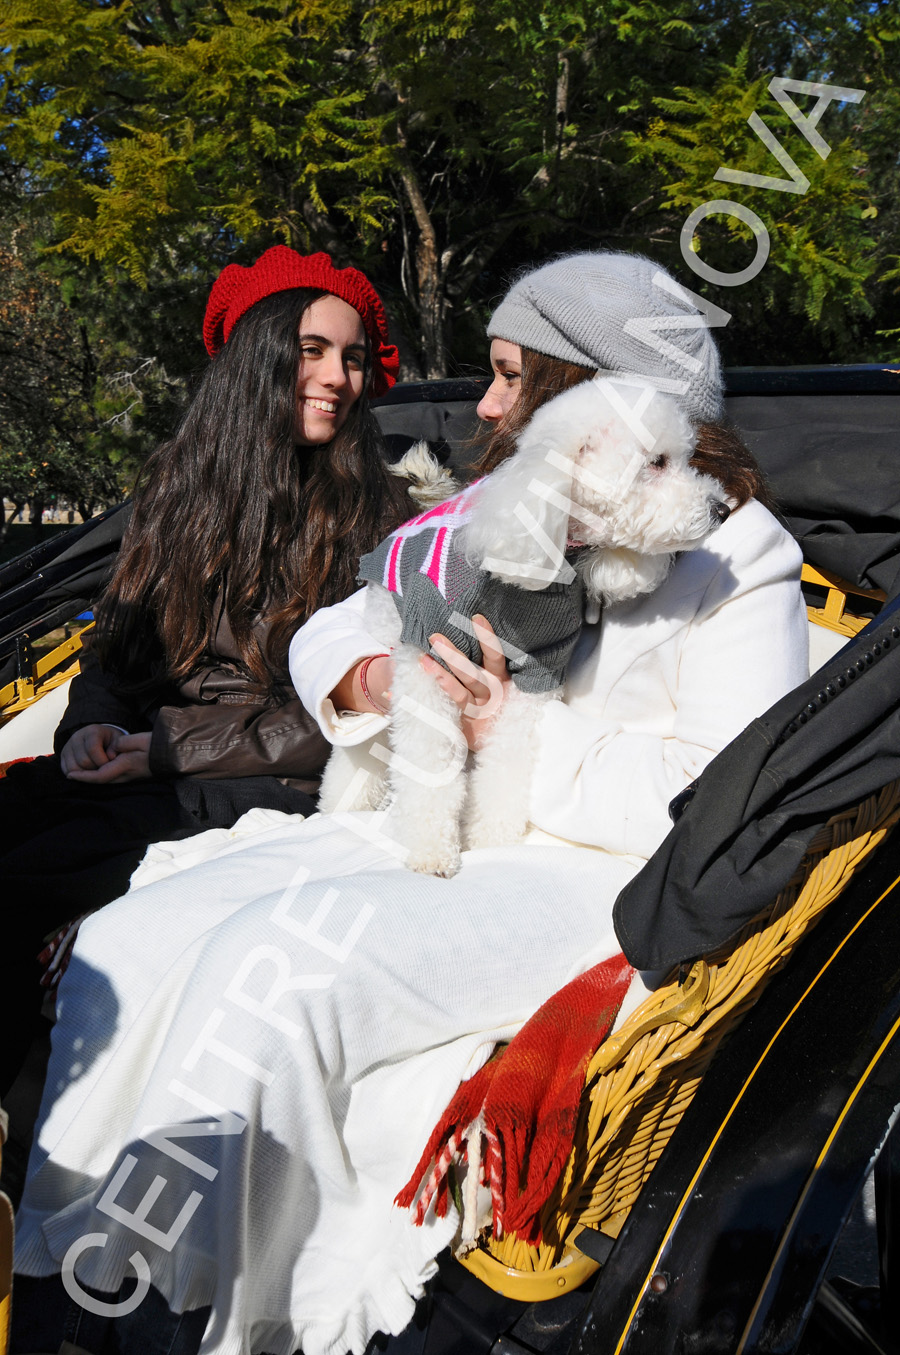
[[297, 1010]]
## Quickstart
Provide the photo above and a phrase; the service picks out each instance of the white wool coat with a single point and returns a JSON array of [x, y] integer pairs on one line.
[[654, 690], [238, 1089]]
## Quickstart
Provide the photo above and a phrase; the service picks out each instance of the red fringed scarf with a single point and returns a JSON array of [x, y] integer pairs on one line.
[[514, 1121]]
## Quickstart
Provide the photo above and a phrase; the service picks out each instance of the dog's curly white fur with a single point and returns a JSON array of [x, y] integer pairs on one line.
[[603, 469]]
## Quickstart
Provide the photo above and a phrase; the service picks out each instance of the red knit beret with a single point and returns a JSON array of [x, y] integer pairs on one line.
[[236, 289]]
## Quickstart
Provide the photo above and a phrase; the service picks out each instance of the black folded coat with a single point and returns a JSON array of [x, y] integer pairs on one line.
[[741, 831]]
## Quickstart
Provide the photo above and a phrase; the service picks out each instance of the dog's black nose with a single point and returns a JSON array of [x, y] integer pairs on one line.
[[721, 511]]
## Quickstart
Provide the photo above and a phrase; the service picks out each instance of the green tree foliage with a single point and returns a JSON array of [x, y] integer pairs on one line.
[[441, 143], [509, 125], [72, 401], [167, 135], [831, 245]]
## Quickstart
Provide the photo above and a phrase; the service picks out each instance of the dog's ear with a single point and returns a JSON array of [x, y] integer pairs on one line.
[[519, 526], [519, 529], [618, 575]]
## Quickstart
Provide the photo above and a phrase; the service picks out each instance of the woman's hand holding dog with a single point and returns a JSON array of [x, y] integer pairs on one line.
[[479, 692]]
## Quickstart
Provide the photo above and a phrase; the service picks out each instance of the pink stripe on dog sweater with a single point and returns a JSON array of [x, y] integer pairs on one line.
[[392, 582], [434, 567]]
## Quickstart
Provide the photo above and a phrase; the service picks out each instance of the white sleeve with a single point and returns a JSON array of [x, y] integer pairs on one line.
[[324, 649], [744, 646]]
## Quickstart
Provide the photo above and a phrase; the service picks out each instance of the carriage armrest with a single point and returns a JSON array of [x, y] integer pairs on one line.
[[831, 625], [833, 615]]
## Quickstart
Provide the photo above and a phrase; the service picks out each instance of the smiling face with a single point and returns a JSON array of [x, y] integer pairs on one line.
[[501, 395], [331, 375]]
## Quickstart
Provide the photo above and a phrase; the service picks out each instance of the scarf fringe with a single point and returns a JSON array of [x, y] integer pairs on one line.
[[513, 1124]]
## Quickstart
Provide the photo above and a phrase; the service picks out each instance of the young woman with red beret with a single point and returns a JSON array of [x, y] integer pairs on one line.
[[251, 517]]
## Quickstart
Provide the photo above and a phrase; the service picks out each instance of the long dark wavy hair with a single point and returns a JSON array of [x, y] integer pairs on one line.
[[232, 514], [720, 450]]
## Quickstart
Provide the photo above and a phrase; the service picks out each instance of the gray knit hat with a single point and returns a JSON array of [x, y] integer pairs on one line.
[[609, 311]]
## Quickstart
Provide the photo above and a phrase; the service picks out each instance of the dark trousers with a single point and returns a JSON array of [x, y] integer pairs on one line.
[[67, 848], [44, 1315]]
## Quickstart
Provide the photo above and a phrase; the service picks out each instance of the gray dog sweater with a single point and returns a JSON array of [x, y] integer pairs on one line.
[[423, 567]]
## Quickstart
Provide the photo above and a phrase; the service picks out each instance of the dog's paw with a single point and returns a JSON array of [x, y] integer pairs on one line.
[[444, 865]]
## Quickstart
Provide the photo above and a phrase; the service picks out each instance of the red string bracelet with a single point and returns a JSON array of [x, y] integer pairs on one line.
[[364, 668]]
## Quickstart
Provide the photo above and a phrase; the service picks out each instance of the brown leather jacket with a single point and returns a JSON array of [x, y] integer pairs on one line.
[[217, 723]]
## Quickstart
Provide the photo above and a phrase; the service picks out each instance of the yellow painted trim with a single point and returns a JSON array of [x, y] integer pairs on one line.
[[24, 694], [7, 1233], [21, 693], [745, 1335], [846, 625], [686, 1007], [831, 616], [673, 1222], [56, 656], [531, 1286], [825, 579]]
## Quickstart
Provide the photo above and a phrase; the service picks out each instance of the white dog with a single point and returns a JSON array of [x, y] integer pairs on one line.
[[591, 509]]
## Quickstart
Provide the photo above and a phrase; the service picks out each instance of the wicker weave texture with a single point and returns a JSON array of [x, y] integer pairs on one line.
[[632, 1104]]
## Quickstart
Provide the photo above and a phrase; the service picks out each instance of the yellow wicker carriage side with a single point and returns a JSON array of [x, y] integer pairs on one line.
[[641, 1080]]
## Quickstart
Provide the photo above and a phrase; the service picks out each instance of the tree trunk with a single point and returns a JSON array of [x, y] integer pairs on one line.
[[37, 518], [562, 112], [432, 308], [18, 505], [430, 299]]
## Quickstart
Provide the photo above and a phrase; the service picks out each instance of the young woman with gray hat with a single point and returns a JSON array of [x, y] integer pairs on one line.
[[312, 1006], [621, 315]]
